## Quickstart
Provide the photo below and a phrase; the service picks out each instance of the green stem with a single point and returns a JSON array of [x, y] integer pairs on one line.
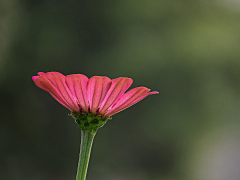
[[87, 137]]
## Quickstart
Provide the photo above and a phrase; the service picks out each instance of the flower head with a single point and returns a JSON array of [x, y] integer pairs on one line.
[[98, 96]]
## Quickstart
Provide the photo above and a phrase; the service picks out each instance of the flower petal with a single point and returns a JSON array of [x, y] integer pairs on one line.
[[118, 87], [97, 89], [41, 73], [43, 83], [130, 98], [77, 83], [58, 80], [34, 77]]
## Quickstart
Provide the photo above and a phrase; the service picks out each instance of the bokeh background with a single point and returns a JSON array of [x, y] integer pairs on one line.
[[188, 50]]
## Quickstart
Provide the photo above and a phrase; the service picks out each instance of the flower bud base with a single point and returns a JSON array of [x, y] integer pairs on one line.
[[89, 121]]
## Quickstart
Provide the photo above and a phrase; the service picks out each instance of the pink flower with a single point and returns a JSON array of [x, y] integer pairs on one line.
[[97, 95]]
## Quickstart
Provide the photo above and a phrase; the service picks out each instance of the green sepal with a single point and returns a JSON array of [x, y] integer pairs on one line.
[[89, 121]]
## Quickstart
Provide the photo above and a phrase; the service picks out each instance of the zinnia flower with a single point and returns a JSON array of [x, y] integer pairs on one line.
[[91, 101], [98, 95]]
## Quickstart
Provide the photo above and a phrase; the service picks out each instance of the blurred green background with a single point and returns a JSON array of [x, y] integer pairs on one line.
[[188, 50]]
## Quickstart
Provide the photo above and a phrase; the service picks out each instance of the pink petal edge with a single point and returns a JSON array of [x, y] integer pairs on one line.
[[118, 87], [43, 83], [123, 106], [58, 80], [34, 78]]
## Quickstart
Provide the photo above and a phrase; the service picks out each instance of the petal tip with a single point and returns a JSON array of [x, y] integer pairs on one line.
[[34, 78], [41, 73], [154, 92]]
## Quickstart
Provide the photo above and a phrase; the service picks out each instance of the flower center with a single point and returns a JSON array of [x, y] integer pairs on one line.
[[89, 121]]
